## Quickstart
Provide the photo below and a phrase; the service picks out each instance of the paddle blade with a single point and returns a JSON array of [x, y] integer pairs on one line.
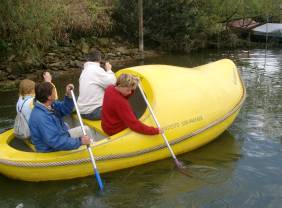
[[181, 167], [99, 180], [179, 164]]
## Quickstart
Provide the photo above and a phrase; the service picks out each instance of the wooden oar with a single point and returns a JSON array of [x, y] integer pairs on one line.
[[177, 163], [98, 178]]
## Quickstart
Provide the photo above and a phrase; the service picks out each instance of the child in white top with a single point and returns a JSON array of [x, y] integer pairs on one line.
[[26, 96]]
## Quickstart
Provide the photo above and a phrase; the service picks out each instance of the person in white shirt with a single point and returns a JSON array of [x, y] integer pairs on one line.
[[92, 84], [26, 96]]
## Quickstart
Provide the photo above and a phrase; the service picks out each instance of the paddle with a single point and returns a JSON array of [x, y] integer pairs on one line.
[[177, 163], [98, 178]]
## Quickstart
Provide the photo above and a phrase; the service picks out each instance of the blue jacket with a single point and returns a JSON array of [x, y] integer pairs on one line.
[[47, 128]]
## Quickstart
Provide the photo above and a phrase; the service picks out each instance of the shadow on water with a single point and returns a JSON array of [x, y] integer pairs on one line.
[[206, 165], [7, 109], [143, 186]]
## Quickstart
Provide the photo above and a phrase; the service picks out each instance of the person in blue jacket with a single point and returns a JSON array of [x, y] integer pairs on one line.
[[48, 130]]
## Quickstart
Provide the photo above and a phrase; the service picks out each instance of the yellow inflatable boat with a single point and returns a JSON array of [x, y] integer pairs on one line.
[[193, 106]]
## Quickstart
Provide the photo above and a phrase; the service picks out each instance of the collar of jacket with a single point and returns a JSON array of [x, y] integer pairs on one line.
[[91, 63], [43, 107]]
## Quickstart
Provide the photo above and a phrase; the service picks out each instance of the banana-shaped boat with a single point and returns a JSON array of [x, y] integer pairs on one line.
[[192, 105]]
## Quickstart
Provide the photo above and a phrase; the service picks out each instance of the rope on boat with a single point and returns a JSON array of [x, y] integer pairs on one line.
[[125, 155], [80, 161], [43, 164]]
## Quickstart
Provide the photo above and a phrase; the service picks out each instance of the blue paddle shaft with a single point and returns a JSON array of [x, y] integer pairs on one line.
[[99, 180]]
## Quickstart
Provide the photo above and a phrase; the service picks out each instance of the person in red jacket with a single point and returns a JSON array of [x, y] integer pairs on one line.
[[117, 113]]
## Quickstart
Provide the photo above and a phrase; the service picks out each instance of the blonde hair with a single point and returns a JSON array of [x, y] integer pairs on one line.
[[127, 80], [26, 87]]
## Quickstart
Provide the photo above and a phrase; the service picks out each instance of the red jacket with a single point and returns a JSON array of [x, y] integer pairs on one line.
[[117, 115]]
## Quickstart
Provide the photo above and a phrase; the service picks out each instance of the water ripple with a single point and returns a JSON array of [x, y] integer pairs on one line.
[[260, 149], [253, 199], [208, 174], [252, 171]]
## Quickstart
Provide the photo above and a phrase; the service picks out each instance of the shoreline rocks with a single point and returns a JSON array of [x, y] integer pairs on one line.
[[65, 59]]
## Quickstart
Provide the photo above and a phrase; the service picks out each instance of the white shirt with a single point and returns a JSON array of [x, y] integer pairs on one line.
[[92, 84], [25, 104]]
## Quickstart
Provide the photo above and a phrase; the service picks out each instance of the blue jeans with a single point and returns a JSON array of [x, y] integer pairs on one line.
[[95, 115]]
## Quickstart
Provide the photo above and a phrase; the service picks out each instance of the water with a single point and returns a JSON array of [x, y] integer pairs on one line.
[[241, 168]]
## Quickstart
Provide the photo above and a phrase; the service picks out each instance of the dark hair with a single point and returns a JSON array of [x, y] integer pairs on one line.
[[94, 56], [42, 91]]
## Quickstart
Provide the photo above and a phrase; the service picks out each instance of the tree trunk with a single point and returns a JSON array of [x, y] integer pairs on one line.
[[140, 13]]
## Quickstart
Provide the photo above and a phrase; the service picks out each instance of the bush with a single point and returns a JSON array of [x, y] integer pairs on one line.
[[30, 27], [27, 26], [186, 25], [171, 24]]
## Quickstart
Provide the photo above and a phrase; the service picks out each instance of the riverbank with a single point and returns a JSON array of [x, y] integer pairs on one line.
[[66, 59]]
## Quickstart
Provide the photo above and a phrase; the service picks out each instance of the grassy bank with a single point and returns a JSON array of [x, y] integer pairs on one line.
[[29, 28]]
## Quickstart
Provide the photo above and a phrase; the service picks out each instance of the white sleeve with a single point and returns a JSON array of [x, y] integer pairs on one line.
[[107, 78]]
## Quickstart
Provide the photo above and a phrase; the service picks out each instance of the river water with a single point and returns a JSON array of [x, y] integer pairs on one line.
[[241, 168]]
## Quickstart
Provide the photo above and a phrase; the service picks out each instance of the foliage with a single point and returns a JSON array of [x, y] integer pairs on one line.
[[186, 25], [178, 21], [237, 9], [170, 24], [87, 18], [30, 27]]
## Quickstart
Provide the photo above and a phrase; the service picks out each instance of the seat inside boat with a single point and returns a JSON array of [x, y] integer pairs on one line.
[[22, 144]]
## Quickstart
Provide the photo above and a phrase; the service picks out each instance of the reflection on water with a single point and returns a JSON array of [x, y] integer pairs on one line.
[[270, 63], [260, 125], [242, 168]]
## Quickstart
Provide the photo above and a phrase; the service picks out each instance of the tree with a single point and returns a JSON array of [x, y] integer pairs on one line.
[[140, 13]]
